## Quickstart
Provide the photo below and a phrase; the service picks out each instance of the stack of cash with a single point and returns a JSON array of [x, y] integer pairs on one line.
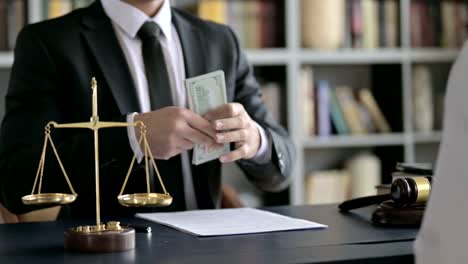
[[205, 93]]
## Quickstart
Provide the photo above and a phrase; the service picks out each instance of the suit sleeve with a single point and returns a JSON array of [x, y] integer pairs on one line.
[[33, 99], [274, 175]]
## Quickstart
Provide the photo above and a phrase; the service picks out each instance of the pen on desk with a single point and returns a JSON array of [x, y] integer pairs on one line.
[[139, 228]]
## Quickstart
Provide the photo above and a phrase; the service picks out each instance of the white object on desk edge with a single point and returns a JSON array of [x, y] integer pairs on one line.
[[224, 222]]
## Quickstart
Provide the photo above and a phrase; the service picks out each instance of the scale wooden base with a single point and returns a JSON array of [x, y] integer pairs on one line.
[[109, 237]]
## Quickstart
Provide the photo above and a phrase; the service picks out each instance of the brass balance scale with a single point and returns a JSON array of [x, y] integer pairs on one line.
[[101, 237]]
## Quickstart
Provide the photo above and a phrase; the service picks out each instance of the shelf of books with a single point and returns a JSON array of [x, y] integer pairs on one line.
[[258, 24], [398, 53]]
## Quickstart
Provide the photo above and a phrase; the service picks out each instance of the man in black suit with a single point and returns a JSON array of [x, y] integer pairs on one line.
[[119, 42]]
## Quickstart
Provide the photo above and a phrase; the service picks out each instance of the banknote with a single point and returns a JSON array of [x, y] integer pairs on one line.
[[205, 93]]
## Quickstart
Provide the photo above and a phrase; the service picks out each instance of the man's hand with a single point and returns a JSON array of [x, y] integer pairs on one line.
[[172, 130], [233, 124]]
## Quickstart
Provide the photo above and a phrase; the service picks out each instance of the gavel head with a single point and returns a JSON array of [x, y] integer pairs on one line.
[[411, 190]]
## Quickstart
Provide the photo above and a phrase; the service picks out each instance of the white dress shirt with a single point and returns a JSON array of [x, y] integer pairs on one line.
[[443, 237], [127, 21]]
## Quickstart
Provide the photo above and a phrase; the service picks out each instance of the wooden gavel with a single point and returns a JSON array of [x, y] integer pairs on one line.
[[403, 192]]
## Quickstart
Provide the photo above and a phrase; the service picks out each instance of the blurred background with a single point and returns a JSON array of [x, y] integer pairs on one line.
[[359, 84]]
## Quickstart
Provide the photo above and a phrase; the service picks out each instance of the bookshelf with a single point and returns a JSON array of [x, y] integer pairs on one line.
[[405, 56], [313, 152], [294, 57]]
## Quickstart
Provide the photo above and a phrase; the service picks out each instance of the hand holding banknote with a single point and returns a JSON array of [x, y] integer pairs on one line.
[[234, 125], [207, 97], [172, 130]]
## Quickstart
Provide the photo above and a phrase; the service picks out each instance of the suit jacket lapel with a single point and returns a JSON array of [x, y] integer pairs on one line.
[[103, 43], [192, 46]]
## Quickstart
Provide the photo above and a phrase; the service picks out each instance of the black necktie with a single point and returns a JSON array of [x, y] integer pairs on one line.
[[160, 97], [155, 66]]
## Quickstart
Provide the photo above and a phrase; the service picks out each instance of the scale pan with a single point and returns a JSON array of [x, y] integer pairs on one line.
[[48, 198], [145, 200]]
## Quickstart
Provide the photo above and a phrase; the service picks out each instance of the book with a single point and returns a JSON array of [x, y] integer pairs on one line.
[[391, 23], [316, 14], [435, 17], [251, 24], [439, 102], [350, 110], [268, 14], [337, 115], [426, 169], [427, 34], [323, 187], [58, 8], [365, 172], [461, 23], [365, 118], [382, 23], [15, 21], [370, 104], [415, 23], [308, 97], [423, 112], [323, 108], [348, 33], [271, 95], [235, 11], [3, 25], [449, 38], [214, 10], [356, 24], [370, 37]]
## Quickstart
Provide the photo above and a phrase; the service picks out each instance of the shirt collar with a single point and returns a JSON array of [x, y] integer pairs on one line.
[[130, 19]]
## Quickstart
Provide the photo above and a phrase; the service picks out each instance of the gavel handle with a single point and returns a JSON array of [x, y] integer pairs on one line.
[[363, 202]]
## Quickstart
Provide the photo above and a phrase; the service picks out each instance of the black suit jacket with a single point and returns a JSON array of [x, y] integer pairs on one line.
[[50, 80]]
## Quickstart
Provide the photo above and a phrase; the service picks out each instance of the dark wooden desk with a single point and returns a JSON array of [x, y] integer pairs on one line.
[[350, 238]]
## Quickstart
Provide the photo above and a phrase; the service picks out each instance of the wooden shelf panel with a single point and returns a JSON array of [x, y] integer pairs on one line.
[[6, 59], [430, 137], [421, 55], [373, 140], [378, 56], [280, 56], [272, 56], [351, 56]]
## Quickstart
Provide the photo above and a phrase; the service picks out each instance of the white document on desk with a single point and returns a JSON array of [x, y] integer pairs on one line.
[[229, 221]]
